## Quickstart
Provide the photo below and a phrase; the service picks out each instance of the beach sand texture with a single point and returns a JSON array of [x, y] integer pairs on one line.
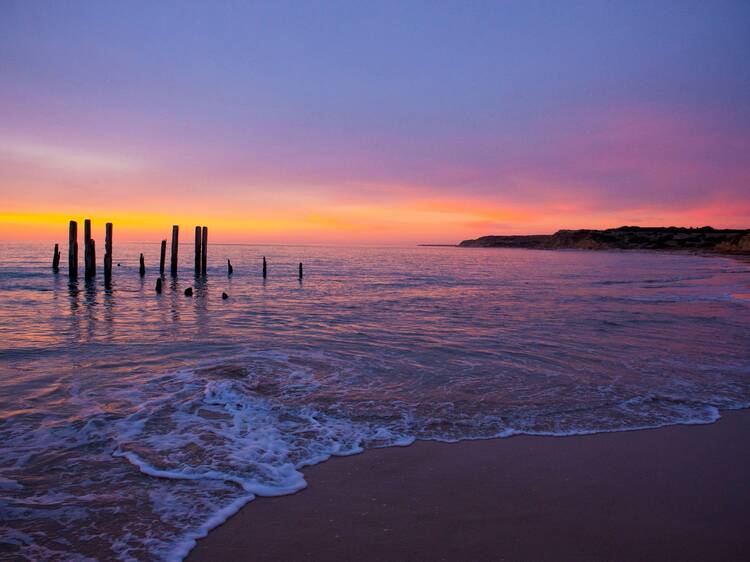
[[676, 493]]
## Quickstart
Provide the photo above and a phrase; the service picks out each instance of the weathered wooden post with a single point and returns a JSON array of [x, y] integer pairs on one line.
[[265, 269], [163, 257], [300, 270], [92, 257], [143, 267], [56, 259], [230, 269], [158, 285], [204, 250], [175, 242], [108, 251], [87, 248], [197, 250], [73, 250]]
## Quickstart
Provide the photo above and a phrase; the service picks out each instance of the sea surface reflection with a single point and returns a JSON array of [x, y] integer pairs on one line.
[[131, 421]]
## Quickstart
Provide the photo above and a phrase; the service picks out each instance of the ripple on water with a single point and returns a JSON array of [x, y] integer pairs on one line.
[[131, 423]]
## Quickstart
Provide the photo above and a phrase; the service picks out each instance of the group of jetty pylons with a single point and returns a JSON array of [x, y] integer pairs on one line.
[[89, 245]]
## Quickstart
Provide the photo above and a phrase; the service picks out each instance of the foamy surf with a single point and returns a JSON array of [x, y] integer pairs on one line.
[[224, 441], [250, 434]]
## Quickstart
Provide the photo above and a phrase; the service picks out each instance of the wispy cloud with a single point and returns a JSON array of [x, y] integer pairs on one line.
[[66, 159]]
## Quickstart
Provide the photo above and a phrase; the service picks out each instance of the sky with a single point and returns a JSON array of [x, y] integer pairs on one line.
[[372, 122]]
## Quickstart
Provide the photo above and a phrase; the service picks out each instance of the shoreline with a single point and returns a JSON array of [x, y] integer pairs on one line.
[[741, 257], [672, 493], [686, 252]]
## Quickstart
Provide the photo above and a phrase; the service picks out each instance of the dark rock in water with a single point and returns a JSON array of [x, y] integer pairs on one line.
[[189, 292], [230, 269], [158, 285], [119, 264], [228, 371], [224, 296]]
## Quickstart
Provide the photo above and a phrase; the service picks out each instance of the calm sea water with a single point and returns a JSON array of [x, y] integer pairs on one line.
[[130, 422]]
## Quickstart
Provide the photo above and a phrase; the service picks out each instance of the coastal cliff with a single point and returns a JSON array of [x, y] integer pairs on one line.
[[705, 239]]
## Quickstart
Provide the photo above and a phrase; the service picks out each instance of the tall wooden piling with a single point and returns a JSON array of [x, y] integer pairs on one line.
[[230, 269], [92, 257], [73, 250], [108, 251], [300, 270], [87, 264], [204, 249], [163, 257], [198, 250], [56, 259], [175, 243], [265, 269], [142, 269]]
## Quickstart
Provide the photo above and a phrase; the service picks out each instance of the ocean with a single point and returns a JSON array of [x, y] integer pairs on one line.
[[131, 423]]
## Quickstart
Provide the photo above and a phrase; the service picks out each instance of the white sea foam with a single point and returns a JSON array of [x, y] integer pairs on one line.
[[252, 434]]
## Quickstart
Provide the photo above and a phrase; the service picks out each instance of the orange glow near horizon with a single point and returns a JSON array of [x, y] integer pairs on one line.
[[445, 221]]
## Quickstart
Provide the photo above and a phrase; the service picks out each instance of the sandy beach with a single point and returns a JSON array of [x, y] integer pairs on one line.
[[675, 493]]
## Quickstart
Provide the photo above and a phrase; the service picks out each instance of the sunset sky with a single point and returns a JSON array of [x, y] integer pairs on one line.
[[372, 122]]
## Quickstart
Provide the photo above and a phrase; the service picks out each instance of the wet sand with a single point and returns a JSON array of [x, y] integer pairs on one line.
[[677, 493]]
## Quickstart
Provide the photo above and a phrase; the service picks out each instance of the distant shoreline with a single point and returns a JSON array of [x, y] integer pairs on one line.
[[704, 240]]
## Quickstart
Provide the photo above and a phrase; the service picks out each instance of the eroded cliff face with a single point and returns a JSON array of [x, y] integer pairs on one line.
[[740, 245], [704, 239]]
